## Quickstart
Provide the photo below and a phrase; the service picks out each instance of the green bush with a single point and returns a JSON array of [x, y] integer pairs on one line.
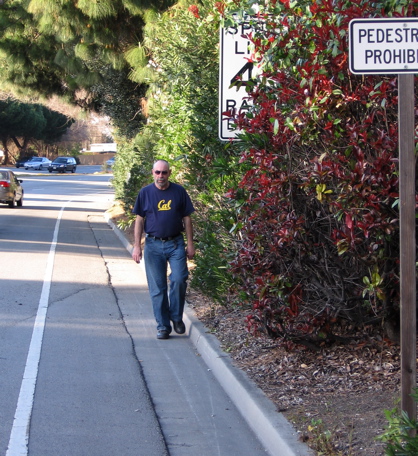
[[182, 45], [131, 171], [401, 433], [317, 233]]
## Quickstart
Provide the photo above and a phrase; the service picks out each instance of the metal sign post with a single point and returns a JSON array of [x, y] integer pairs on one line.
[[383, 46]]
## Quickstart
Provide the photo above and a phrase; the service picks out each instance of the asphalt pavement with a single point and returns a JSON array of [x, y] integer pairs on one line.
[[274, 435]]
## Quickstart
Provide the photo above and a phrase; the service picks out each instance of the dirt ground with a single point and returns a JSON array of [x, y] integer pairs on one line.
[[335, 397]]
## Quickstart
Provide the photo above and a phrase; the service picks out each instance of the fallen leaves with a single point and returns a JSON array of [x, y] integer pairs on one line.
[[346, 386]]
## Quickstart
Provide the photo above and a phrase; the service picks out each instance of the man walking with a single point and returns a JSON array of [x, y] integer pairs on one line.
[[163, 211]]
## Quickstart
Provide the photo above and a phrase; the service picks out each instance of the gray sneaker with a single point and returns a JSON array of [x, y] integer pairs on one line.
[[162, 334]]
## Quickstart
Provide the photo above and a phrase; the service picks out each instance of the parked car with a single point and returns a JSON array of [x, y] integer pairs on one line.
[[111, 161], [63, 164], [11, 192], [21, 162], [37, 163]]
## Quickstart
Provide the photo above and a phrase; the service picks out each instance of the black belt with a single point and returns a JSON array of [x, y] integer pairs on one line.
[[168, 238]]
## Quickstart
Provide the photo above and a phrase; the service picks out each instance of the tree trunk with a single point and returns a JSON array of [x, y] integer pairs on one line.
[[6, 151]]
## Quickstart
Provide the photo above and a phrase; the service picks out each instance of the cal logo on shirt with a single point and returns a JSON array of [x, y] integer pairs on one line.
[[163, 206]]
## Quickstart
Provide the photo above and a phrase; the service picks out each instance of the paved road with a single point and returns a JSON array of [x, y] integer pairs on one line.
[[81, 371], [81, 169]]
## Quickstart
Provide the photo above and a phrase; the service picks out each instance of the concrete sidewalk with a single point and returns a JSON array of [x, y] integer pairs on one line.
[[274, 432]]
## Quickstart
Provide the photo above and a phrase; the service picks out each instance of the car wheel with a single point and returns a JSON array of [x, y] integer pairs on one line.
[[12, 203], [20, 202], [73, 170], [50, 170]]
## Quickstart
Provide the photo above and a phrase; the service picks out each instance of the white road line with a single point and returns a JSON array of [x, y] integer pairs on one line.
[[19, 436]]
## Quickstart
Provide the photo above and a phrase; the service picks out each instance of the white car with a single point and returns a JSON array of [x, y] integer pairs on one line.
[[37, 163]]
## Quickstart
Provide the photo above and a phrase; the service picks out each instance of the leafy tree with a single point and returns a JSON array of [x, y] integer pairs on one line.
[[121, 99], [317, 232], [75, 50], [26, 55], [23, 123], [56, 126]]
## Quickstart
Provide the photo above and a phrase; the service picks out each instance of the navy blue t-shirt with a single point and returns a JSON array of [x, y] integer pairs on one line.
[[163, 210]]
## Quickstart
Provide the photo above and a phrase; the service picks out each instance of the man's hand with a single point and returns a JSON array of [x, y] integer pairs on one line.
[[138, 231], [190, 251], [188, 226], [137, 254]]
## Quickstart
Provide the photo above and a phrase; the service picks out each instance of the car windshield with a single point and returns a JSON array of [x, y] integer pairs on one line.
[[36, 159], [3, 175], [60, 160]]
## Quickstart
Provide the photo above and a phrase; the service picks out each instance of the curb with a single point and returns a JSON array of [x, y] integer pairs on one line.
[[273, 430]]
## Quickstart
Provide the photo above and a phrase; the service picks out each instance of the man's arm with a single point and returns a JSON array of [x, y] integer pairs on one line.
[[138, 232], [188, 226]]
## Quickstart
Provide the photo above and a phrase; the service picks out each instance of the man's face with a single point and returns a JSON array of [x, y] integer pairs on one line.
[[161, 173]]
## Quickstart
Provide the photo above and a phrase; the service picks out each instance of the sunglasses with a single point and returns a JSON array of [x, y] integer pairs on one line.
[[161, 172]]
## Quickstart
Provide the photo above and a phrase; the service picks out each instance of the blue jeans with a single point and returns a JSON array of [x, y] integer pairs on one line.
[[167, 305]]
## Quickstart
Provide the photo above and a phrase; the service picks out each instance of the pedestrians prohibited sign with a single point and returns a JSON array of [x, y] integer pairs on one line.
[[383, 46], [234, 71]]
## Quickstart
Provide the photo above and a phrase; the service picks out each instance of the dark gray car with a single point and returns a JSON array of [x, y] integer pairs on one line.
[[63, 164], [11, 192]]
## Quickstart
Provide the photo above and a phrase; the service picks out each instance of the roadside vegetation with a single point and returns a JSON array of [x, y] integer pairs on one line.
[[297, 221]]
